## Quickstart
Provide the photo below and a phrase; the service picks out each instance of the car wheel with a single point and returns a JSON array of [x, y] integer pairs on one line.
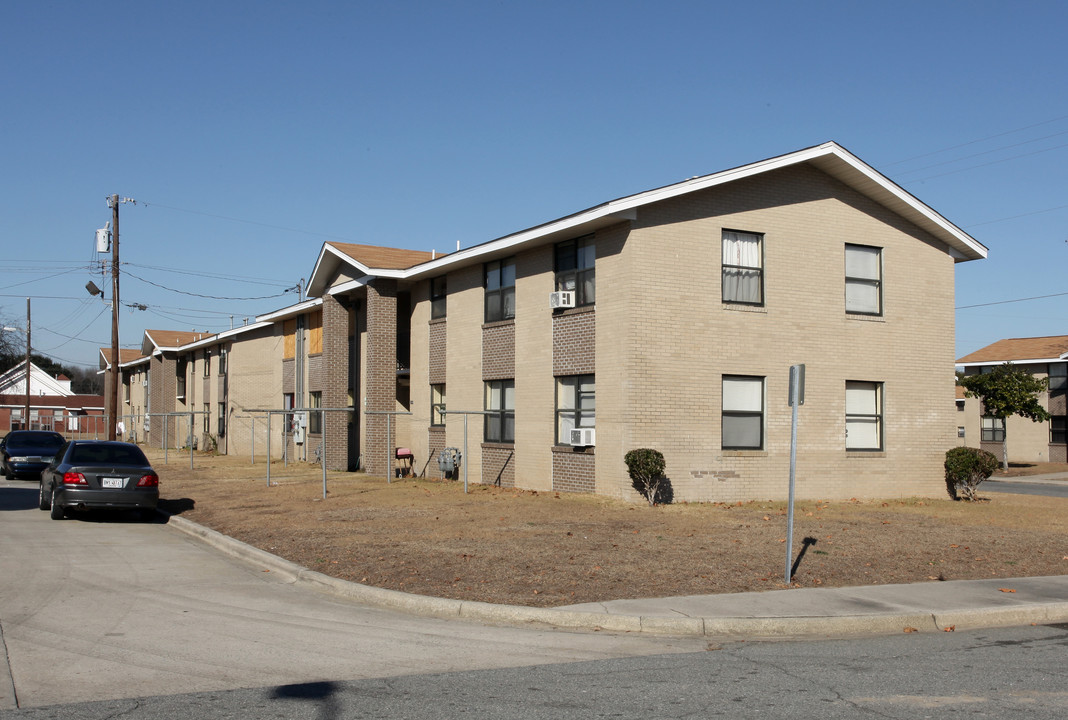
[[57, 509], [44, 501]]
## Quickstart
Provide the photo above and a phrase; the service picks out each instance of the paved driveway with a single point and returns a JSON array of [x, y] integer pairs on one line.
[[107, 607]]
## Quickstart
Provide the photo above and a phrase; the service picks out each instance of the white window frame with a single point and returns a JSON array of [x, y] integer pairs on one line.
[[740, 267], [576, 405], [863, 279], [743, 400], [864, 406]]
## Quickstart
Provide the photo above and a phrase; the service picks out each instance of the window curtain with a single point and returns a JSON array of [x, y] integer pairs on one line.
[[741, 284]]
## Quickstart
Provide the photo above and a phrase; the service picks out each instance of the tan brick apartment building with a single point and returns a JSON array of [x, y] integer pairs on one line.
[[1044, 357], [667, 319]]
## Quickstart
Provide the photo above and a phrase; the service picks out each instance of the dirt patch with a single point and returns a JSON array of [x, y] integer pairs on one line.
[[546, 549]]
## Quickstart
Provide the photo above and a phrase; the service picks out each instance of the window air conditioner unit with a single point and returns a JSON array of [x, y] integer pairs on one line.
[[562, 299], [583, 437], [144, 383]]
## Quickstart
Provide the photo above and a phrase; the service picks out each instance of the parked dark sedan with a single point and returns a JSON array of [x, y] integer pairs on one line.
[[98, 474], [27, 452]]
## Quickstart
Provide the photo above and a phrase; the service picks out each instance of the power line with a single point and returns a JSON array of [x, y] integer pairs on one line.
[[1005, 302], [986, 152], [209, 297], [979, 140], [216, 276]]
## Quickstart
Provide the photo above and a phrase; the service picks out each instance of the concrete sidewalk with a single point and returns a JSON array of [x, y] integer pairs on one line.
[[803, 612]]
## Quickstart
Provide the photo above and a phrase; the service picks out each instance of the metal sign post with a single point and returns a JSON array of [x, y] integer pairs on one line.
[[797, 397]]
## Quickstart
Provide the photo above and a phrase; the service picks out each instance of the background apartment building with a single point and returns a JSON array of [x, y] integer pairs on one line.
[[1028, 442]]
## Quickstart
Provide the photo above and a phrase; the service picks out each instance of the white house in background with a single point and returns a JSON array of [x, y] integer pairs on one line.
[[13, 382]]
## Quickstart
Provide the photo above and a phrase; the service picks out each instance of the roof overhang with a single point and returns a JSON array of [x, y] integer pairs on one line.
[[288, 312], [830, 158]]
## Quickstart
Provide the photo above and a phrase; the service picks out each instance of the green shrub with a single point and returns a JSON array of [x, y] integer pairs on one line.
[[966, 467], [646, 469]]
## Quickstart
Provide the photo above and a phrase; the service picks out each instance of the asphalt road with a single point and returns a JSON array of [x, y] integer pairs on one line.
[[104, 608], [108, 617], [1049, 489]]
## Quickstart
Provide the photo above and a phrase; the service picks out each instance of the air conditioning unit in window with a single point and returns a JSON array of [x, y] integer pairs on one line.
[[144, 383], [562, 299], [583, 437]]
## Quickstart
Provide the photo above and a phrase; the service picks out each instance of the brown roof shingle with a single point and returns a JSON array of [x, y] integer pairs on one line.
[[1016, 349], [174, 338], [383, 258]]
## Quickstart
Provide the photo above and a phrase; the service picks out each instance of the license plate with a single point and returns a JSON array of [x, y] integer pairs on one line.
[[113, 482]]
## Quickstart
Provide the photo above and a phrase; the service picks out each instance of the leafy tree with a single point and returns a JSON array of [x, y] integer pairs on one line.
[[1006, 391]]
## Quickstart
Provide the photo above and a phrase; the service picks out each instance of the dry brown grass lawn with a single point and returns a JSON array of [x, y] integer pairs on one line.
[[546, 549]]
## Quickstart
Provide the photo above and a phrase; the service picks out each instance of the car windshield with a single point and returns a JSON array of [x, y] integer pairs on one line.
[[35, 439], [107, 455]]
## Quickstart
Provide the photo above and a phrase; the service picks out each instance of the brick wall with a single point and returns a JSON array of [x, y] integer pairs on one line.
[[438, 342], [498, 351], [575, 342], [380, 373], [574, 470], [498, 464], [335, 387]]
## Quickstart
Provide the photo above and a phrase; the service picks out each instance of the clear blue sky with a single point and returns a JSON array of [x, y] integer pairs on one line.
[[251, 132]]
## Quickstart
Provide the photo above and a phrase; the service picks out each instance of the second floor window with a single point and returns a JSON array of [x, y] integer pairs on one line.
[[437, 405], [575, 260], [207, 363], [743, 268], [864, 279], [438, 290], [222, 361], [500, 290]]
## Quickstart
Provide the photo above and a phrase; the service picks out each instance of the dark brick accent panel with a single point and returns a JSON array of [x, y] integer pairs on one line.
[[163, 386], [498, 465], [436, 442], [1058, 453], [335, 385], [437, 345], [289, 375], [574, 342], [498, 351], [381, 373], [315, 373], [573, 471]]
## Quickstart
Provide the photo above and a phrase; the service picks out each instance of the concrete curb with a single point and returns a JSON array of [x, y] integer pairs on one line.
[[737, 626]]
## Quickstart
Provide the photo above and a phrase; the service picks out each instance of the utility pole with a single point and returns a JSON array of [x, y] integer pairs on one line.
[[113, 397], [26, 417]]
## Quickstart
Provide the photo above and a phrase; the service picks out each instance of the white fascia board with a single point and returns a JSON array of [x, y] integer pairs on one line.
[[352, 285], [131, 363], [214, 339], [1018, 361], [851, 170], [287, 312]]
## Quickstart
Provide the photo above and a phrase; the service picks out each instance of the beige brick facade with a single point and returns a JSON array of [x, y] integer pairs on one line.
[[658, 341]]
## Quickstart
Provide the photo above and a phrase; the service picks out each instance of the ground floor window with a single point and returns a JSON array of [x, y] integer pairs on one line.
[[993, 429], [315, 419], [1057, 429], [500, 402], [207, 418], [221, 425], [743, 413], [437, 405], [864, 415], [575, 405]]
